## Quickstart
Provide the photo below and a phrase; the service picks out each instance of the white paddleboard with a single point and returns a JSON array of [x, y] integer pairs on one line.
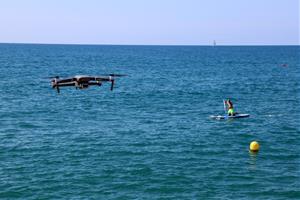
[[229, 117]]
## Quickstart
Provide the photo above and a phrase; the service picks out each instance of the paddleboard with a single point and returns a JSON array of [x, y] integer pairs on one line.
[[229, 117]]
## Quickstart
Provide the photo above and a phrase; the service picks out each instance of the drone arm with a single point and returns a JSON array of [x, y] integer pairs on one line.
[[95, 83], [66, 84], [112, 84], [102, 79], [68, 80]]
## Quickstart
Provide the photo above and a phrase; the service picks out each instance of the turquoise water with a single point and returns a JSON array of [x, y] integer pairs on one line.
[[151, 138]]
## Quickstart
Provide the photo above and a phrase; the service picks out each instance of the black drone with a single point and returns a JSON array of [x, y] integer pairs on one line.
[[83, 81]]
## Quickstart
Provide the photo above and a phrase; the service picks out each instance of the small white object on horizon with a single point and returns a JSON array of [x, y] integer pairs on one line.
[[215, 44]]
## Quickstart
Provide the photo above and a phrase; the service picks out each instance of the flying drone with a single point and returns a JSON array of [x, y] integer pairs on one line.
[[83, 81]]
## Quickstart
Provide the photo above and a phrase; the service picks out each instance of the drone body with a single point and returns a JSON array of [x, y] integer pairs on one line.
[[83, 81]]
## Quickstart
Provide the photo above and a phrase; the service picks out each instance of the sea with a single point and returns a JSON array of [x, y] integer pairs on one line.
[[152, 136]]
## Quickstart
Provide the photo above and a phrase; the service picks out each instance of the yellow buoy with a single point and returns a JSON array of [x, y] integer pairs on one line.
[[254, 146]]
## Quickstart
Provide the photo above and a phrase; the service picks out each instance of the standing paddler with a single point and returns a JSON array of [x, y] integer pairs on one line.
[[230, 110]]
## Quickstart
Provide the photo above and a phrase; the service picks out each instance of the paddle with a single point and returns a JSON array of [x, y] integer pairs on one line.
[[224, 102]]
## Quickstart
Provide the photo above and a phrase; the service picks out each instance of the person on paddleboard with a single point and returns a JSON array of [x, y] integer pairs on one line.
[[230, 108]]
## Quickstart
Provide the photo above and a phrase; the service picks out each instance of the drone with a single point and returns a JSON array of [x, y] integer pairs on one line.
[[83, 81]]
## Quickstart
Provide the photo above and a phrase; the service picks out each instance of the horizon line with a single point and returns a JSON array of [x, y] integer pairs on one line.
[[98, 44]]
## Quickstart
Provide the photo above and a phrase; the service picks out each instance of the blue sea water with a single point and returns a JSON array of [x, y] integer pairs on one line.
[[151, 138]]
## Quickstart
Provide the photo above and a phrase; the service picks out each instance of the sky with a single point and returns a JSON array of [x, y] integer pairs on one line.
[[150, 22]]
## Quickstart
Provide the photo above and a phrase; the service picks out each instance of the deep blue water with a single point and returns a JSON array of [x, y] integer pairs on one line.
[[151, 138]]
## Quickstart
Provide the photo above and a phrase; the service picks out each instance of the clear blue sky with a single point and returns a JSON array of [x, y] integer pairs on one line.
[[171, 22]]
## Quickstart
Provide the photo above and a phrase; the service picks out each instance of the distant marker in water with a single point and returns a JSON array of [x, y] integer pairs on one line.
[[254, 146]]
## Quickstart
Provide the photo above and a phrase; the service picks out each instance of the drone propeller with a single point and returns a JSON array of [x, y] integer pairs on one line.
[[56, 77], [114, 75]]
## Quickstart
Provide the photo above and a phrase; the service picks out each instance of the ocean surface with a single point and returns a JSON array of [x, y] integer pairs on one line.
[[151, 138]]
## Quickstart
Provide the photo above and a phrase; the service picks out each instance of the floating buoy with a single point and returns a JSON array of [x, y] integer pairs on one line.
[[254, 146]]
